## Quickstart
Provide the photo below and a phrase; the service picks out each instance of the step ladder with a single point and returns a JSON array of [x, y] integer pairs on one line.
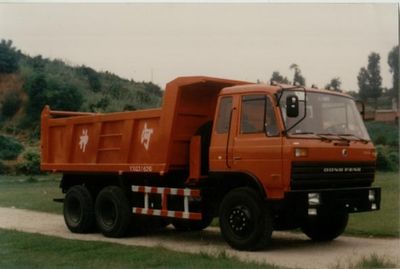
[[163, 211]]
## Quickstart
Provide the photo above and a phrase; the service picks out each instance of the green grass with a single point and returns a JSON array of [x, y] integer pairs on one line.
[[20, 192], [33, 193], [373, 261], [384, 222], [24, 250]]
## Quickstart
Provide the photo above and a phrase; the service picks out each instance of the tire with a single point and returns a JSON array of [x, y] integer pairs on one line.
[[196, 225], [325, 227], [113, 212], [245, 220], [78, 210]]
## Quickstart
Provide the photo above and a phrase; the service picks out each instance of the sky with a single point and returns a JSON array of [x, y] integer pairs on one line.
[[159, 42]]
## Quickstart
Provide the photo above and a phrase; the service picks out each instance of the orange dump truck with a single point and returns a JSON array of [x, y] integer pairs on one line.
[[258, 157]]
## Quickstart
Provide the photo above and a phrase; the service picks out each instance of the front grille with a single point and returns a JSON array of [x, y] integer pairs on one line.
[[322, 175]]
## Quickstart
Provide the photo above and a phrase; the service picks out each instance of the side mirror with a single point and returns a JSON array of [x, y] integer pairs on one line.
[[361, 108], [292, 106]]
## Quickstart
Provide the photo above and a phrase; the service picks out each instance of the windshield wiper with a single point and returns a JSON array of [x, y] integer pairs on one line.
[[323, 138], [302, 133], [327, 135], [365, 141]]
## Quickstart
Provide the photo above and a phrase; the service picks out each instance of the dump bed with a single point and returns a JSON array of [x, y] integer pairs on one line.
[[155, 140]]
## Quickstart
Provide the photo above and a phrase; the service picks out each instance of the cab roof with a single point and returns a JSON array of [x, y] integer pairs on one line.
[[272, 89]]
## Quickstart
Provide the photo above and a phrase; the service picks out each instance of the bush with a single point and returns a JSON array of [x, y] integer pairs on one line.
[[3, 169], [11, 103], [101, 105], [387, 159], [31, 164], [129, 107], [10, 148], [383, 133]]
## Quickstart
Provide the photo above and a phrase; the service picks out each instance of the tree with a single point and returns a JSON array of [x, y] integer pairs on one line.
[[370, 80], [49, 91], [92, 77], [297, 75], [9, 57], [38, 63], [393, 61], [335, 84], [63, 96], [36, 87], [153, 89], [277, 77], [374, 70], [363, 83]]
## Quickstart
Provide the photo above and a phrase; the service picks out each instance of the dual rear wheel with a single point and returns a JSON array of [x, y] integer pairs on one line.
[[110, 210]]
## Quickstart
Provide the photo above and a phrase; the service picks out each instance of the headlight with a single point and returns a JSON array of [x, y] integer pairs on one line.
[[371, 195], [313, 199], [300, 152]]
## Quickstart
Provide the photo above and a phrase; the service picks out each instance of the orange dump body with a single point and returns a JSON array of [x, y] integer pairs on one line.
[[156, 140]]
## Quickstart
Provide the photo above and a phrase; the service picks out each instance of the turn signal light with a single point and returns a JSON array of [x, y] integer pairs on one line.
[[299, 152]]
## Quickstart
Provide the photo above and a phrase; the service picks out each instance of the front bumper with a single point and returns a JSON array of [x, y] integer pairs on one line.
[[350, 200]]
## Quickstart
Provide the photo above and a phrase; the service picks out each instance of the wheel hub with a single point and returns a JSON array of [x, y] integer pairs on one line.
[[239, 220], [74, 210], [108, 213]]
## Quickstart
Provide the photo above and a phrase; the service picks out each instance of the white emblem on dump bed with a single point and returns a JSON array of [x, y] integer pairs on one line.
[[146, 135], [83, 140]]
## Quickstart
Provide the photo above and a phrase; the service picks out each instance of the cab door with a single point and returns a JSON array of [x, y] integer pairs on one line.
[[257, 142], [221, 149]]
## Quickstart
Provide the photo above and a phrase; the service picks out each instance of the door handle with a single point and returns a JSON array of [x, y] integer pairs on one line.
[[237, 158]]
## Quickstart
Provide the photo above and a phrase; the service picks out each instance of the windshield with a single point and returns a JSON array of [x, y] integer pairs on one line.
[[326, 114]]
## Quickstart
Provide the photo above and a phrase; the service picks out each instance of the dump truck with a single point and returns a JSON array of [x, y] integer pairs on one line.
[[258, 157]]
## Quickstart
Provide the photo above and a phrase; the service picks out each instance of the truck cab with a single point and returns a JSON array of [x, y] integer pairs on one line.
[[307, 150]]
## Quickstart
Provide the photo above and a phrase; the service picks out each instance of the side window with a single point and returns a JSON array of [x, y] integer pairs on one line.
[[271, 127], [252, 114], [224, 115]]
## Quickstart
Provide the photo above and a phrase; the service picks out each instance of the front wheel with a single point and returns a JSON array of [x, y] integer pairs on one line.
[[113, 213], [325, 226], [245, 220]]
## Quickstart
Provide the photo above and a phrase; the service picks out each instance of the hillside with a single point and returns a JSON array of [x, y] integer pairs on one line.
[[28, 83]]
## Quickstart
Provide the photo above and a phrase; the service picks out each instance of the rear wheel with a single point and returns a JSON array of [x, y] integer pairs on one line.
[[245, 220], [113, 212], [325, 226], [78, 210]]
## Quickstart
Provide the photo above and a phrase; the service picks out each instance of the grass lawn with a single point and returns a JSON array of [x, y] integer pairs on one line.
[[24, 250], [386, 221], [38, 194], [33, 194]]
